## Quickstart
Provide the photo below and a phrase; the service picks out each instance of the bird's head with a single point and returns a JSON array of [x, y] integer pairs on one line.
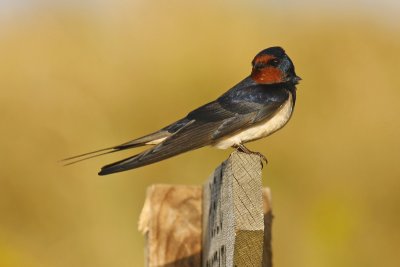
[[272, 65]]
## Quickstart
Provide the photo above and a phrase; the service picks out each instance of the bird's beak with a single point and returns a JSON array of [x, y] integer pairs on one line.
[[296, 79]]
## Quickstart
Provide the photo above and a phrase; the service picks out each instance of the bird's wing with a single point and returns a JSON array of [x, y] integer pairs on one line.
[[193, 135], [242, 109], [206, 125]]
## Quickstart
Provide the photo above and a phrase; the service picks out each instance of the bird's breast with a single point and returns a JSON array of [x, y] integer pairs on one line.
[[261, 129]]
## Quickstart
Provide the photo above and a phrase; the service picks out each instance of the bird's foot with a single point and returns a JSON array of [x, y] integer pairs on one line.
[[244, 149]]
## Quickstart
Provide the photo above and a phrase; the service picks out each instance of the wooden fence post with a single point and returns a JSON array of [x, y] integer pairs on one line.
[[227, 222], [233, 223], [171, 222]]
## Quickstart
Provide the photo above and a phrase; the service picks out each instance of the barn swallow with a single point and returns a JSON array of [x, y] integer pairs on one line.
[[256, 107]]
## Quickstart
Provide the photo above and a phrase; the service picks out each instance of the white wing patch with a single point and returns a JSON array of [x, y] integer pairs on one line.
[[156, 142]]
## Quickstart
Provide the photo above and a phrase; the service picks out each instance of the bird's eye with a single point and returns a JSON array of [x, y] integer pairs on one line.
[[274, 62]]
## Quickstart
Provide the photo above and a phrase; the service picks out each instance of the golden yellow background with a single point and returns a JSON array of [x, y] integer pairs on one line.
[[75, 77]]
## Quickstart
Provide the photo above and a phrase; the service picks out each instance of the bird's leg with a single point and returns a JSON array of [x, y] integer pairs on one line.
[[244, 149]]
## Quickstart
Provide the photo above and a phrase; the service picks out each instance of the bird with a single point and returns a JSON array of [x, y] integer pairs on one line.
[[259, 105]]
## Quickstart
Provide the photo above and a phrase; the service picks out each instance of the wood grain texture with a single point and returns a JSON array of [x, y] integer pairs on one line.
[[171, 221], [233, 217], [236, 226], [267, 247]]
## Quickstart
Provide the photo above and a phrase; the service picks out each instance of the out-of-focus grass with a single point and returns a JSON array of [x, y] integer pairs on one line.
[[73, 81]]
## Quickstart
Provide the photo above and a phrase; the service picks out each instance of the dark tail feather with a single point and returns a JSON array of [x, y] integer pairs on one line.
[[89, 157], [118, 166], [131, 144], [97, 153], [193, 136], [88, 153], [145, 158]]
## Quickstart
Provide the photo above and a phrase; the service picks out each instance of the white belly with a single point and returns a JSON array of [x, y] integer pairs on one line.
[[260, 130]]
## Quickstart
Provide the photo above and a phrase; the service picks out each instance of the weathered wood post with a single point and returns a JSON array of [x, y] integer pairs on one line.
[[224, 223], [233, 222]]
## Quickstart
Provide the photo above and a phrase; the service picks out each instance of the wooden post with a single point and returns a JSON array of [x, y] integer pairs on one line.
[[171, 222], [227, 222], [233, 222], [267, 248]]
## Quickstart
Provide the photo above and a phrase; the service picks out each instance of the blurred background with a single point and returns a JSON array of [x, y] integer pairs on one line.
[[76, 76]]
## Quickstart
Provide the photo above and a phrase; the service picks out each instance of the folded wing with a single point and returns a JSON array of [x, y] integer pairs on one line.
[[206, 125]]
